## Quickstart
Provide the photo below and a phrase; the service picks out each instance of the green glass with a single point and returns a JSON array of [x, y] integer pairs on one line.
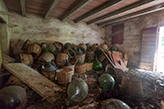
[[106, 82], [49, 67], [50, 48], [71, 52], [68, 45], [77, 90], [97, 65], [53, 63], [114, 104], [88, 60], [79, 52], [79, 62], [82, 49], [67, 63]]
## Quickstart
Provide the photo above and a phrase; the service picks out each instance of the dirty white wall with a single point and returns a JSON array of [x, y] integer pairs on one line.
[[39, 30], [133, 34]]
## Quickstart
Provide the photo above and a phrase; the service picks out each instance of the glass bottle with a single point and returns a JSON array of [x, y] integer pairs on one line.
[[97, 65]]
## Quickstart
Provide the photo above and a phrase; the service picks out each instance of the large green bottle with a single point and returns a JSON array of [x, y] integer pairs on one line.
[[106, 82], [97, 65], [77, 90]]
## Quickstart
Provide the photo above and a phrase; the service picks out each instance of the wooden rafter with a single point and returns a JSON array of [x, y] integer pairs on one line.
[[22, 3], [99, 9], [51, 7], [132, 15], [122, 10], [76, 8]]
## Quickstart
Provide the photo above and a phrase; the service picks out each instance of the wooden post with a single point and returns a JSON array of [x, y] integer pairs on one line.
[[52, 6], [76, 8], [122, 10], [22, 2]]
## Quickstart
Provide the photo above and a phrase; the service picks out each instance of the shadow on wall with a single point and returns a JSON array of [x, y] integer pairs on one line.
[[134, 59]]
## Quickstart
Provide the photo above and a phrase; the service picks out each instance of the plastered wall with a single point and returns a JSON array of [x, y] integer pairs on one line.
[[133, 35], [48, 30]]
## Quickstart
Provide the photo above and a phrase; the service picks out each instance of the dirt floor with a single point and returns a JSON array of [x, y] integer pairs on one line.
[[153, 93]]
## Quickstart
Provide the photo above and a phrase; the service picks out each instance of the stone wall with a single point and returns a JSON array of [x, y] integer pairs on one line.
[[133, 34], [48, 30]]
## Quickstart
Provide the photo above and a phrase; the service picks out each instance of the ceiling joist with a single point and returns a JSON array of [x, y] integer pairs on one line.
[[99, 9], [22, 3], [76, 8], [132, 15], [52, 6], [122, 10]]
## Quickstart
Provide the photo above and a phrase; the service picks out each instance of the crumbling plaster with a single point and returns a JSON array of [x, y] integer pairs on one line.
[[48, 30], [133, 34]]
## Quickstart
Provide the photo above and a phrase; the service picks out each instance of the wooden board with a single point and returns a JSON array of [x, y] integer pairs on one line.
[[7, 59], [40, 84]]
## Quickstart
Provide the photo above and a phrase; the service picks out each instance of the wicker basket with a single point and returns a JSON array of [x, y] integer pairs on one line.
[[60, 59], [64, 76], [67, 52], [89, 66], [46, 57], [82, 57], [49, 75], [24, 47], [101, 57], [34, 49], [26, 59], [80, 68], [83, 45], [59, 46], [91, 55], [71, 67]]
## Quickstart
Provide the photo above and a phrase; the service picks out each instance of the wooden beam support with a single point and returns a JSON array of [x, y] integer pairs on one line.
[[22, 3], [52, 6], [76, 8], [99, 9], [132, 15], [122, 10]]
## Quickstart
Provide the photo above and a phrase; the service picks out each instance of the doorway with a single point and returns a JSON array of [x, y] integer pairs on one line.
[[160, 59]]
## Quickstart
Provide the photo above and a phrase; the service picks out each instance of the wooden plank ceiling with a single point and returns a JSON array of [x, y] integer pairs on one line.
[[101, 12]]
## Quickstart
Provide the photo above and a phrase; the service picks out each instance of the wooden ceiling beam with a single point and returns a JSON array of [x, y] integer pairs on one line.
[[132, 15], [51, 7], [99, 9], [76, 8], [22, 3], [122, 10]]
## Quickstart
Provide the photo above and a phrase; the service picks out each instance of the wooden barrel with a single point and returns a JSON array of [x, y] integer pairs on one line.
[[71, 67], [117, 74], [46, 57], [82, 57], [64, 76], [89, 66], [34, 49], [61, 59], [67, 52], [59, 46], [26, 59], [49, 75], [91, 55], [80, 68]]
